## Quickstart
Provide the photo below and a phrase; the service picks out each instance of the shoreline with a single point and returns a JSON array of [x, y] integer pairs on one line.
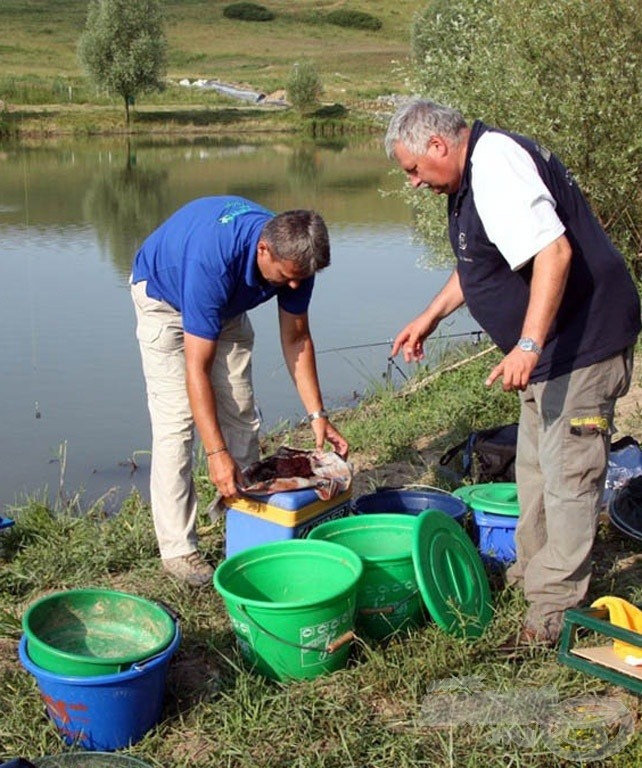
[[27, 121]]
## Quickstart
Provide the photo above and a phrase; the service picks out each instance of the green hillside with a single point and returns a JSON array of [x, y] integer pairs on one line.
[[39, 46]]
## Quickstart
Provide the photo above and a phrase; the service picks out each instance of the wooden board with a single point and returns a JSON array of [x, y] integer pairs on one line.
[[605, 656]]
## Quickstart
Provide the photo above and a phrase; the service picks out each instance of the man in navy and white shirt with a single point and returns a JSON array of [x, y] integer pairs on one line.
[[540, 275]]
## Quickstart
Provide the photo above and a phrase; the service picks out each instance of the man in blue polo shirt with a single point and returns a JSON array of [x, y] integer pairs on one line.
[[539, 274], [193, 281]]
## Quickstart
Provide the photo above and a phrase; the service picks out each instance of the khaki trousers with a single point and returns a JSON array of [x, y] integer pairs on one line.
[[563, 447], [160, 336]]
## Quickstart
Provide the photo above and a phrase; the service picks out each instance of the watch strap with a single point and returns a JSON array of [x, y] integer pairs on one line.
[[322, 414]]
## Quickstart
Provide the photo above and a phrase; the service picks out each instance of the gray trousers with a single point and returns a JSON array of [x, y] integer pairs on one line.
[[160, 336], [563, 447]]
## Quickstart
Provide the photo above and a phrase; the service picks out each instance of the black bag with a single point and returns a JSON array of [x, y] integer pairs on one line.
[[488, 455]]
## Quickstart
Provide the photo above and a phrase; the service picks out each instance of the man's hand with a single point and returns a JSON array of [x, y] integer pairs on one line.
[[514, 370], [324, 432], [550, 273], [224, 473], [411, 339]]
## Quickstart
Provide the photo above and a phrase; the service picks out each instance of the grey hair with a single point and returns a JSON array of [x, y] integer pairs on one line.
[[414, 123], [300, 236]]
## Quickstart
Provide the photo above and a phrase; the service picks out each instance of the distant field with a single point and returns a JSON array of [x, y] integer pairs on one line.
[[39, 42]]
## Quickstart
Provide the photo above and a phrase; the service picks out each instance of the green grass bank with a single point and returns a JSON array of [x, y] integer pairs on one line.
[[216, 712], [44, 91]]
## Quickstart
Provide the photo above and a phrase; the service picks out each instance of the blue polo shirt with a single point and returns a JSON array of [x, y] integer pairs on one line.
[[202, 262]]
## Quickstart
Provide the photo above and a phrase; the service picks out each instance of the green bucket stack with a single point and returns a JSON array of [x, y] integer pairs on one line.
[[88, 632]]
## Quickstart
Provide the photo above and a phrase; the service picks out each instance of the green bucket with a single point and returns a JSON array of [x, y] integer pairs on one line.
[[89, 632], [388, 597], [292, 606]]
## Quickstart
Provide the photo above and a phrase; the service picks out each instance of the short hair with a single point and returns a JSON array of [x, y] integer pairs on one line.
[[300, 236], [414, 123]]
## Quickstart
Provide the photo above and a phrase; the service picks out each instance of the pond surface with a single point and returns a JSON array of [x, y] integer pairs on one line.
[[71, 218]]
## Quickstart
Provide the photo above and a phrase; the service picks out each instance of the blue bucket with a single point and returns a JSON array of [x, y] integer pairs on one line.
[[104, 712], [496, 534], [410, 502]]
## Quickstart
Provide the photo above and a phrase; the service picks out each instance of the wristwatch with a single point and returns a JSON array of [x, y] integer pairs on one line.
[[322, 414], [528, 345]]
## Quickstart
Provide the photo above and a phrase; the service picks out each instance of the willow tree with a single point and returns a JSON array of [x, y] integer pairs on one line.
[[123, 48], [569, 74]]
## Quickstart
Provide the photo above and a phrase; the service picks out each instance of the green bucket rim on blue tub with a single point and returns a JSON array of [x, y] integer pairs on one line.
[[496, 498], [66, 630]]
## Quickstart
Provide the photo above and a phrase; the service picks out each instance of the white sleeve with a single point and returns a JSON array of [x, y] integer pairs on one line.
[[514, 205]]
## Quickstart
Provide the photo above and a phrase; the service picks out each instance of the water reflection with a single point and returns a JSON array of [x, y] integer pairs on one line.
[[123, 205], [305, 168]]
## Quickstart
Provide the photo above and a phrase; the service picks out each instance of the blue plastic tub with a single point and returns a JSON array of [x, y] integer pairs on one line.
[[496, 534], [410, 502], [104, 712]]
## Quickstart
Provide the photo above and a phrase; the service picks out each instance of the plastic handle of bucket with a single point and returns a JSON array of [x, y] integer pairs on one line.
[[138, 665], [328, 648], [174, 615], [387, 609], [346, 637]]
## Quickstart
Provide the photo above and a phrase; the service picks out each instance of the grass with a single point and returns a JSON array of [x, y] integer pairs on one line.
[[40, 65], [375, 712]]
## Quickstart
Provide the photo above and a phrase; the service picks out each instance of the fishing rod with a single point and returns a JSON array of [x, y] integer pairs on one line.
[[476, 334]]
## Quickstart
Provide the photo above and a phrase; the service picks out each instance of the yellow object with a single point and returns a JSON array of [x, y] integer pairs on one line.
[[600, 423], [286, 517], [628, 616]]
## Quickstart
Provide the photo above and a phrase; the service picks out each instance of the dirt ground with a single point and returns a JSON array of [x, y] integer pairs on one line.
[[425, 470]]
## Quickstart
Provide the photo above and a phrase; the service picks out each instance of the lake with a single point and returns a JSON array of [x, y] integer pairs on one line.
[[72, 215]]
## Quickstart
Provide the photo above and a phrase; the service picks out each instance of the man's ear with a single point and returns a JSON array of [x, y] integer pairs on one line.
[[262, 250], [440, 145]]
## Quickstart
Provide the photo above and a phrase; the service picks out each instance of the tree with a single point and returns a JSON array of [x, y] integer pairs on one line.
[[123, 47], [304, 86], [566, 73]]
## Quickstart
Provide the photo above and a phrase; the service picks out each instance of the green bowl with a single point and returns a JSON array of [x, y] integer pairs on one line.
[[88, 632]]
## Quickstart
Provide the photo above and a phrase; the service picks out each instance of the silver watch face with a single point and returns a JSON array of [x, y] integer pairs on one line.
[[528, 345]]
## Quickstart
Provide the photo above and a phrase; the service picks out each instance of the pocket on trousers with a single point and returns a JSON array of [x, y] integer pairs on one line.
[[160, 337], [585, 453]]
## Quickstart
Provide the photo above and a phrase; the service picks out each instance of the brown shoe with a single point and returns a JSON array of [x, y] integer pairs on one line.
[[192, 569], [527, 639]]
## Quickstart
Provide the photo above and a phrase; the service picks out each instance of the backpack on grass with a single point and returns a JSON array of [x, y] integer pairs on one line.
[[487, 456]]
